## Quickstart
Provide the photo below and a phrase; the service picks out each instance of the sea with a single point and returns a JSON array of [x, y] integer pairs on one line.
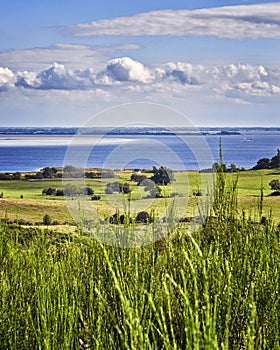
[[134, 149]]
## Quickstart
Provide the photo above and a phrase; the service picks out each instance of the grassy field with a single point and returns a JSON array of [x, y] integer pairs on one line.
[[33, 205], [217, 288]]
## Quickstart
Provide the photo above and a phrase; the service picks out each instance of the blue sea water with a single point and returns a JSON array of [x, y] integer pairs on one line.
[[192, 152]]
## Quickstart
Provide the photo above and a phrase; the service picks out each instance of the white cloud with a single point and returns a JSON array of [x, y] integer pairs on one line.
[[7, 79], [234, 22], [72, 56], [126, 69], [241, 82]]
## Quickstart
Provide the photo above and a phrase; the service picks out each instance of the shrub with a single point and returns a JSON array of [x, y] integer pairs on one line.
[[275, 185], [49, 191], [59, 193], [46, 220], [197, 193], [144, 217]]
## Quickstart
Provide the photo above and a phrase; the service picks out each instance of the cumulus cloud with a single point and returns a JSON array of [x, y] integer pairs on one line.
[[72, 56], [242, 82], [126, 69], [234, 22], [7, 79]]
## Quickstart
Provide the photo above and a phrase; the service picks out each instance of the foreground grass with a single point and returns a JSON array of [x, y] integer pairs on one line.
[[215, 289]]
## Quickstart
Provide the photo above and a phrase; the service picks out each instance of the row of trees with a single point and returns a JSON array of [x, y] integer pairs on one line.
[[69, 190], [69, 171]]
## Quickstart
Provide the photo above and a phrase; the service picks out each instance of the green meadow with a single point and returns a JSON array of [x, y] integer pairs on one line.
[[213, 288], [33, 205]]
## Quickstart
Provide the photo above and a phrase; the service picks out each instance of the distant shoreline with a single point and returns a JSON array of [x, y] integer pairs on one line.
[[101, 131]]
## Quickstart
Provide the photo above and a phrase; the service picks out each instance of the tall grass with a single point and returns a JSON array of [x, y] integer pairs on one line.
[[215, 289]]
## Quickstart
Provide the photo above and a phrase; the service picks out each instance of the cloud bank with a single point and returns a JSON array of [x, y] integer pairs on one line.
[[242, 82], [232, 22]]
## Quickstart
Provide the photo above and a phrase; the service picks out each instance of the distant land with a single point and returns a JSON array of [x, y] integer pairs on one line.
[[137, 131]]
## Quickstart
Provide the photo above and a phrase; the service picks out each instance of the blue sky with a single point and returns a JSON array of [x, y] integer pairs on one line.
[[63, 61]]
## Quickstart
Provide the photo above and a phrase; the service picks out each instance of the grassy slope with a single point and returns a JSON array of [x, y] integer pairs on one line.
[[215, 289]]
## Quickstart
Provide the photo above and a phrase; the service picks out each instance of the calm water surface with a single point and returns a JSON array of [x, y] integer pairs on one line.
[[27, 153]]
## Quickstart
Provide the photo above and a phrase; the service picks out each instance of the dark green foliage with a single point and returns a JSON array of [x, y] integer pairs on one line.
[[197, 193], [162, 176], [10, 176], [6, 176], [49, 173], [37, 176], [137, 178], [118, 187], [49, 191], [266, 163], [100, 173], [46, 219], [120, 219], [70, 171], [263, 163], [275, 161], [59, 192], [73, 190], [144, 217], [17, 176], [275, 185]]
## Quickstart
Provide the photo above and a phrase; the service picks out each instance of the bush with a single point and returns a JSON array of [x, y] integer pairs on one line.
[[117, 187], [275, 185], [197, 193], [144, 217], [59, 193], [46, 220], [49, 191], [117, 219]]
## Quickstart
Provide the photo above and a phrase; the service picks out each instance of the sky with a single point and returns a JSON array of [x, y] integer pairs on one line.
[[63, 61]]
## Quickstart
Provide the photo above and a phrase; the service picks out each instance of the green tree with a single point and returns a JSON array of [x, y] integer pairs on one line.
[[162, 175], [275, 161], [275, 185], [263, 163]]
